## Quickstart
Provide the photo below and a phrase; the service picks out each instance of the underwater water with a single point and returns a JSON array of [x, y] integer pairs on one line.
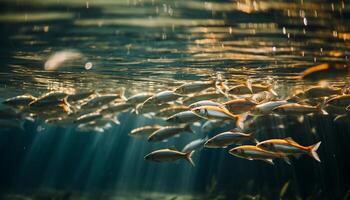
[[129, 47]]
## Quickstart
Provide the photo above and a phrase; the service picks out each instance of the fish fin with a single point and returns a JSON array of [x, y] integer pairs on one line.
[[122, 94], [249, 85], [197, 124], [301, 118], [286, 159], [269, 161], [189, 158], [240, 120], [115, 120], [337, 117], [252, 138], [313, 151], [313, 130], [273, 92], [281, 126], [188, 128]]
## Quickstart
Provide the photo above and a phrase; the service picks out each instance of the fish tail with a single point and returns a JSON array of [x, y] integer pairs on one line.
[[189, 158], [313, 151], [320, 108], [122, 94], [65, 105], [252, 137], [273, 92], [248, 83], [221, 88], [188, 128]]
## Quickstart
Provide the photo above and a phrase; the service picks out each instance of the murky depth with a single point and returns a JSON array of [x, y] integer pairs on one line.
[[150, 46]]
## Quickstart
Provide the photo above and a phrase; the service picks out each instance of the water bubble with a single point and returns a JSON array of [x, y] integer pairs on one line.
[[88, 65], [274, 49]]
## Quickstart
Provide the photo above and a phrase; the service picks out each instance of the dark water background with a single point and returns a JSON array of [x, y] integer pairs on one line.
[[152, 45]]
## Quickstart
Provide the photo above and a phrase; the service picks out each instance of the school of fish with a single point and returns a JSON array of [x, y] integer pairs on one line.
[[205, 104]]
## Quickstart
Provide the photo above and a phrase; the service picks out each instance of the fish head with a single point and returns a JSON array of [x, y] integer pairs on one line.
[[201, 111], [236, 151], [149, 157], [173, 119], [209, 143], [180, 90], [151, 138]]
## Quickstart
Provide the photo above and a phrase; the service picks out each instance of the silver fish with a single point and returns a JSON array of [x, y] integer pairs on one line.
[[225, 139], [169, 155], [145, 130], [138, 98], [167, 132], [195, 145], [184, 117], [194, 87]]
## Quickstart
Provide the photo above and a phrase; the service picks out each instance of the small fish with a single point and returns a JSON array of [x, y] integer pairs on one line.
[[167, 132], [342, 118], [238, 106], [167, 112], [150, 108], [195, 145], [145, 130], [115, 108], [49, 99], [100, 101], [321, 91], [169, 155], [104, 122], [297, 109], [335, 110], [214, 112], [59, 121], [19, 101], [323, 71], [80, 96], [212, 124], [87, 118], [266, 108], [202, 96], [184, 117], [284, 190], [204, 103], [262, 97], [289, 147], [162, 97], [341, 101], [256, 88], [240, 90], [251, 152], [138, 98], [228, 138], [89, 128], [194, 87], [57, 59]]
